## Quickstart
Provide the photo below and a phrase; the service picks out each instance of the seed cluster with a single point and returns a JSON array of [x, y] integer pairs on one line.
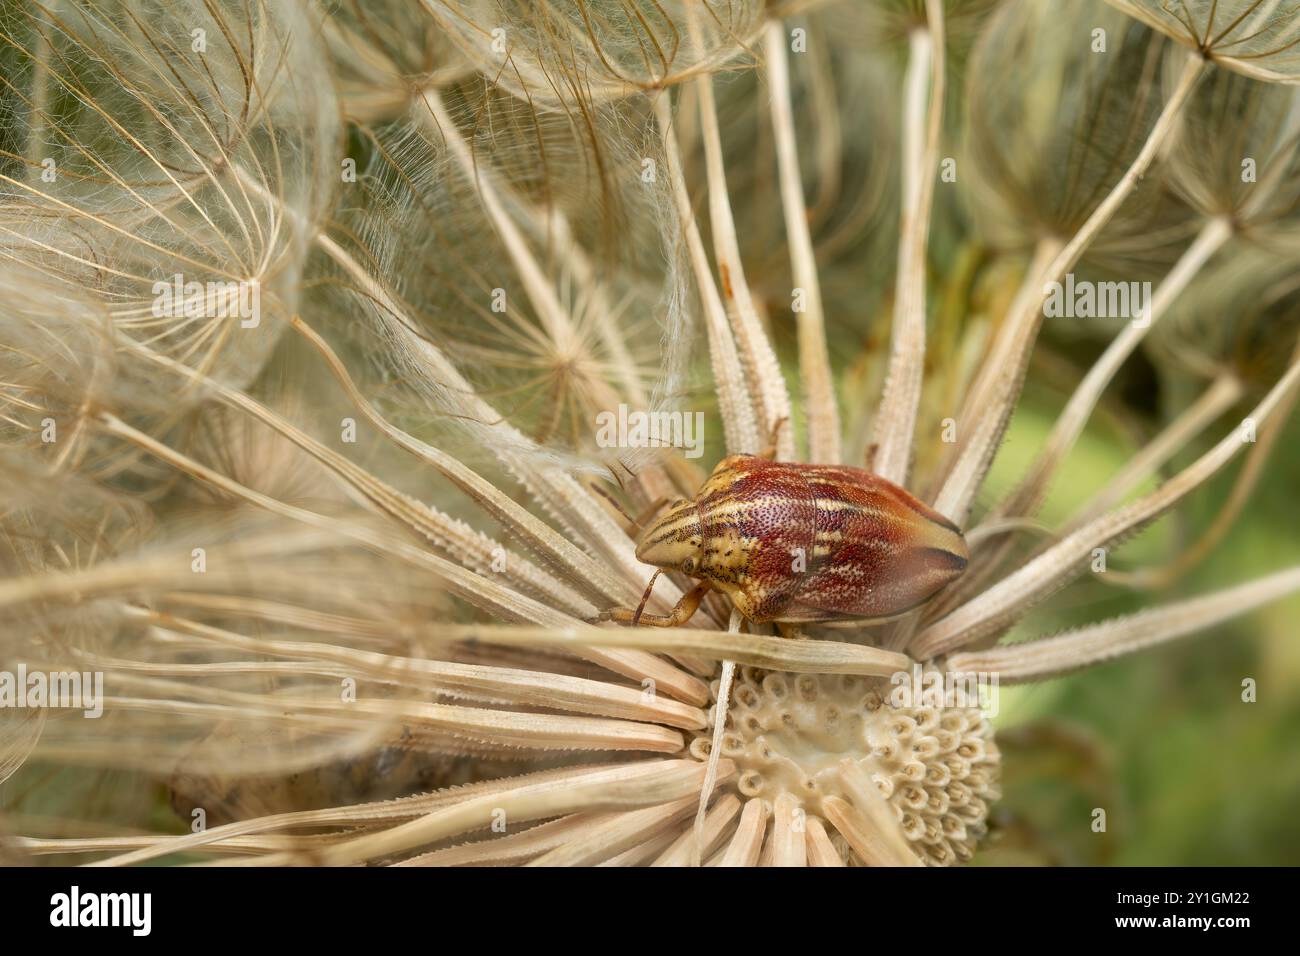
[[936, 767]]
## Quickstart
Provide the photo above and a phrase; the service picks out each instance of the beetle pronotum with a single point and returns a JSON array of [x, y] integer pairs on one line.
[[799, 543]]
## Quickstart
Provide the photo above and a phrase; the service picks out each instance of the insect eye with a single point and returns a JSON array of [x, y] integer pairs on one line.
[[688, 566]]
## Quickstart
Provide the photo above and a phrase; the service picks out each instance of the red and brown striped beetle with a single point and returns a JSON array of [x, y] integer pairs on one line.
[[800, 543]]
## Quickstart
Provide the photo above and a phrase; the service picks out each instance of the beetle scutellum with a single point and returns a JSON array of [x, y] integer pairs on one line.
[[801, 543]]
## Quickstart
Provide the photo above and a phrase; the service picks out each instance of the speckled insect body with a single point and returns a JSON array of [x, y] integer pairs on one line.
[[798, 543]]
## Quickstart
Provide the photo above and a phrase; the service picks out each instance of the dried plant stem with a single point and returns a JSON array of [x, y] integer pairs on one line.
[[821, 851], [504, 729], [738, 413], [716, 823], [554, 318], [437, 727], [623, 832], [887, 837], [642, 854], [1002, 604], [1050, 657], [755, 650], [1225, 518], [1224, 392], [560, 493], [648, 783], [875, 844], [363, 814], [472, 587], [513, 848], [827, 105], [575, 564], [975, 397], [115, 578], [1033, 488], [612, 338], [789, 839], [38, 108], [535, 688], [820, 410], [922, 124], [747, 842], [769, 394], [715, 750], [241, 846], [561, 555], [1011, 355]]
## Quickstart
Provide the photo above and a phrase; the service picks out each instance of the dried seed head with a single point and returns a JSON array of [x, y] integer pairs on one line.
[[1033, 85], [1253, 38], [622, 50], [1236, 154], [1255, 297], [937, 768], [167, 156]]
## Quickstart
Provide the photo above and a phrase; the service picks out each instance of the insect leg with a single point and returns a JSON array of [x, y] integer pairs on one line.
[[678, 616]]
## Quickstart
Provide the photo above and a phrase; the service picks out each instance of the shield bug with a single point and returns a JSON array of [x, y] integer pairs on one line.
[[801, 543]]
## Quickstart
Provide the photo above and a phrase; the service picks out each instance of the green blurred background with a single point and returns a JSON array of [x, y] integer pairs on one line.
[[1187, 772]]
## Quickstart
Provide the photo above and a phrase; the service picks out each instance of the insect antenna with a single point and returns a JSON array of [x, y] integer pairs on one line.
[[636, 521], [613, 503]]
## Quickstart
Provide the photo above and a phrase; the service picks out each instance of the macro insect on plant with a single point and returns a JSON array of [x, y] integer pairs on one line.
[[798, 543], [340, 567]]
